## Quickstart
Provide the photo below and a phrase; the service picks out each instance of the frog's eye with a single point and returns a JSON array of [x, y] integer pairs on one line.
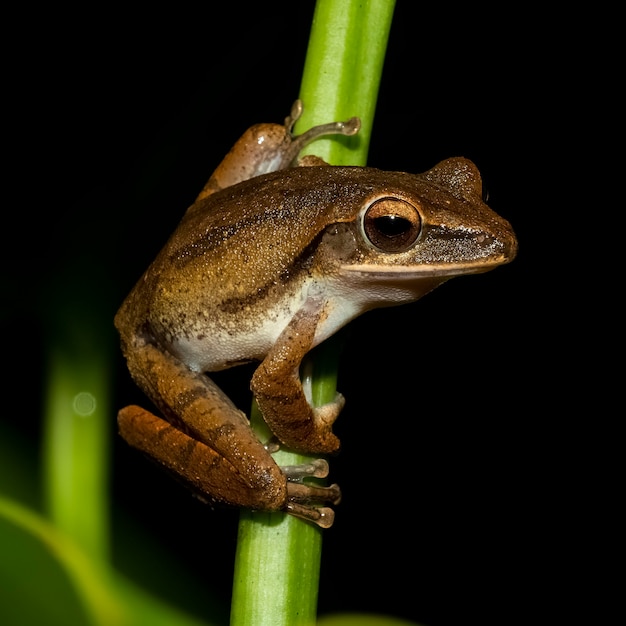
[[392, 225]]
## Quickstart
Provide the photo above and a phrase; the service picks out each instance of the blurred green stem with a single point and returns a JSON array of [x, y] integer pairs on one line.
[[77, 412], [278, 556]]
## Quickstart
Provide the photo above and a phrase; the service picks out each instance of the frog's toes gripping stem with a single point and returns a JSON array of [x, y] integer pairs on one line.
[[302, 498], [348, 128]]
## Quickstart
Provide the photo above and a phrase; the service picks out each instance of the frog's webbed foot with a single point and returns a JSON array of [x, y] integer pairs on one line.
[[303, 499], [348, 128]]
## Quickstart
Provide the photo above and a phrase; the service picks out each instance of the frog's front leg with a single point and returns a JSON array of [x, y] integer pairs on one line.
[[267, 148], [278, 390], [208, 442]]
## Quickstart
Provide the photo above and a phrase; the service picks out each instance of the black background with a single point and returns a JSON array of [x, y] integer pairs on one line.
[[116, 121]]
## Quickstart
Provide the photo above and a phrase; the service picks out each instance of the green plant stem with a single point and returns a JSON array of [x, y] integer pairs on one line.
[[77, 418], [342, 74], [278, 556]]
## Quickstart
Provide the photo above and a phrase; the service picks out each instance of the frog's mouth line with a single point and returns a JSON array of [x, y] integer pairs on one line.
[[427, 270]]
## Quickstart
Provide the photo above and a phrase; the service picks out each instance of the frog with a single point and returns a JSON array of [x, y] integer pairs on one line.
[[276, 254]]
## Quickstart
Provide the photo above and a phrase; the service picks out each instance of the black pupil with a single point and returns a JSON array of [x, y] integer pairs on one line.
[[392, 225]]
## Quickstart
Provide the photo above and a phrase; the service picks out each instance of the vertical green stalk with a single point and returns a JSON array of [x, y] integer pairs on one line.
[[342, 73], [278, 557], [77, 415]]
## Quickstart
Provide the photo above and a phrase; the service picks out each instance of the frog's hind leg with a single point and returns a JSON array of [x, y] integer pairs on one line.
[[204, 439], [208, 443], [205, 471], [212, 478]]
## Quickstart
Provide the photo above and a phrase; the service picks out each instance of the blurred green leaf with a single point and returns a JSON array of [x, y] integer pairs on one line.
[[46, 579]]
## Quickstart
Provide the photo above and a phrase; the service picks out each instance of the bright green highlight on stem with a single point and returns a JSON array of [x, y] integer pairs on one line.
[[278, 556], [76, 454]]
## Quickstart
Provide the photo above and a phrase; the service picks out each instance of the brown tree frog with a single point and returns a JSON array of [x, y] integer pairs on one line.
[[273, 257]]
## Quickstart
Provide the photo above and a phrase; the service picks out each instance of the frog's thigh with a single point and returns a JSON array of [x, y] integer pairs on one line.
[[236, 482]]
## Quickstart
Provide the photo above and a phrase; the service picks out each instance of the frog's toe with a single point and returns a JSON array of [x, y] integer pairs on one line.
[[302, 500], [323, 516], [327, 413], [317, 468], [308, 494]]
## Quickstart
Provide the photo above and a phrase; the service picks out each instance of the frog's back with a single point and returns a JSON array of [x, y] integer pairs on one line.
[[235, 270]]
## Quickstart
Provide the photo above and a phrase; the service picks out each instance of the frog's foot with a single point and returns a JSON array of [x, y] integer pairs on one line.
[[303, 499], [322, 440], [326, 414], [348, 128]]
